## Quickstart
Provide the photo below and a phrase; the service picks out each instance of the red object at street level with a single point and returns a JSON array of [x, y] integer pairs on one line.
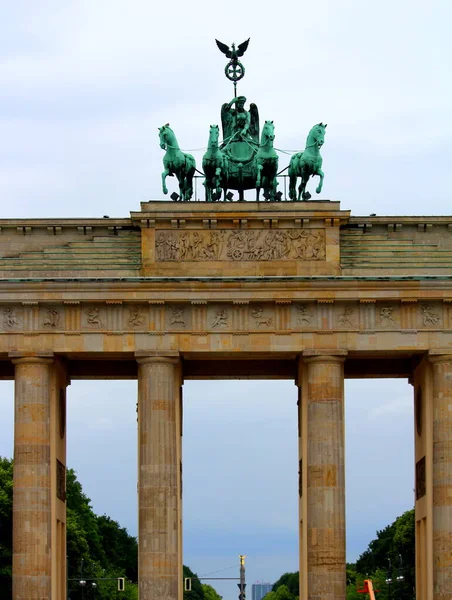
[[368, 588]]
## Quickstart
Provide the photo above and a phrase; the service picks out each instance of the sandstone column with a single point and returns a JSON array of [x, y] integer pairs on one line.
[[159, 479], [32, 480], [322, 399], [442, 476]]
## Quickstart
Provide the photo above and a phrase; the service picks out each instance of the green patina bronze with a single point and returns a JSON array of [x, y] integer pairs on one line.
[[176, 163], [244, 159], [306, 164]]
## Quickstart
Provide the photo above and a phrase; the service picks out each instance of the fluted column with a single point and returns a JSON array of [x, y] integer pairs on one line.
[[442, 476], [159, 479], [323, 395], [32, 480]]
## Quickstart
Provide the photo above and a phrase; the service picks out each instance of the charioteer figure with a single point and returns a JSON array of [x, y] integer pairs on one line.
[[240, 125]]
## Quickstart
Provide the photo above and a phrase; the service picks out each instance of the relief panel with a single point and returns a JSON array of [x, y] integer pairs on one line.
[[52, 318], [11, 318], [240, 245], [387, 315], [219, 317], [135, 317], [178, 316], [94, 317], [430, 315], [304, 316], [346, 316], [262, 316]]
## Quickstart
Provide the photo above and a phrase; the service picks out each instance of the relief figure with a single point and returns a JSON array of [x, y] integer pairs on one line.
[[346, 317], [135, 318], [93, 317], [9, 317], [177, 317], [429, 316], [221, 318], [304, 315], [52, 319], [386, 315], [258, 314]]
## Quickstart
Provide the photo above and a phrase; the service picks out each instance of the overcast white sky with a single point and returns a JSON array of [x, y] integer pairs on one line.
[[84, 86]]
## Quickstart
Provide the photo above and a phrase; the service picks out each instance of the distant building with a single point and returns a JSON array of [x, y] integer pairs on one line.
[[258, 590]]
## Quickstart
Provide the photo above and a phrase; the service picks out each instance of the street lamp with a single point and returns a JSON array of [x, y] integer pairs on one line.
[[389, 578]]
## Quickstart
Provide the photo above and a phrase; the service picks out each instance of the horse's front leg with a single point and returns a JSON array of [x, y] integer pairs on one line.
[[164, 176], [259, 172], [321, 174], [207, 188], [304, 194]]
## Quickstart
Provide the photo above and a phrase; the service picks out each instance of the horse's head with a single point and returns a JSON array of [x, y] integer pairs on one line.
[[268, 133], [214, 135], [316, 136], [164, 133]]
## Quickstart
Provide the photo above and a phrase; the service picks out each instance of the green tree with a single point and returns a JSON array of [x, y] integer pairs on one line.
[[291, 581], [395, 546], [395, 542], [6, 521], [210, 593], [197, 592]]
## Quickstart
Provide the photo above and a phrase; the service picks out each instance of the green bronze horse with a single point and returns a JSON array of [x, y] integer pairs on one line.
[[215, 167], [267, 163], [176, 163], [306, 164]]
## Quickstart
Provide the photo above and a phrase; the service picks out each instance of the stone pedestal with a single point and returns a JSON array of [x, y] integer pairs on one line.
[[322, 480], [159, 479], [442, 476], [32, 480]]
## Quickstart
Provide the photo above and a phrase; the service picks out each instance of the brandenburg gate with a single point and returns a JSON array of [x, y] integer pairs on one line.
[[186, 290]]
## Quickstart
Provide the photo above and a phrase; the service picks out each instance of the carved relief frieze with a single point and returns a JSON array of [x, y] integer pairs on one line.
[[52, 319], [240, 245], [304, 316], [11, 319], [220, 319], [278, 316], [430, 315], [387, 316], [93, 318], [260, 318], [346, 316], [177, 317], [135, 317]]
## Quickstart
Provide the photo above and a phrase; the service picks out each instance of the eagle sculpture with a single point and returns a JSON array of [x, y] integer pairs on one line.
[[233, 53]]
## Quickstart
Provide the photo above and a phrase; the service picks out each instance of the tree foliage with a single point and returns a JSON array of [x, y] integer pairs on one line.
[[396, 543], [98, 548], [210, 593]]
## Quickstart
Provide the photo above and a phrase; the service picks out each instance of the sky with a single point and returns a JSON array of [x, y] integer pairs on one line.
[[84, 87]]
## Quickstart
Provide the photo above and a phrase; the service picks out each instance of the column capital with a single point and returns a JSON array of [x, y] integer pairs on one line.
[[322, 356], [45, 357], [440, 356], [150, 357]]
